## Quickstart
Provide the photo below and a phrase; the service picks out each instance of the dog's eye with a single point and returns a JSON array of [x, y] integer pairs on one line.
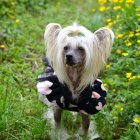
[[66, 48], [81, 49]]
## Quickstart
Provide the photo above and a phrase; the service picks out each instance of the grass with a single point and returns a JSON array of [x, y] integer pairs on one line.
[[22, 48]]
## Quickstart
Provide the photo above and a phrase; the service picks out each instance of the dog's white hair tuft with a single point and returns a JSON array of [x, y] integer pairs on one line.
[[97, 47]]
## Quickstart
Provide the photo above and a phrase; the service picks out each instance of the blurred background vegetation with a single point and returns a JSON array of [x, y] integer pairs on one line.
[[22, 25]]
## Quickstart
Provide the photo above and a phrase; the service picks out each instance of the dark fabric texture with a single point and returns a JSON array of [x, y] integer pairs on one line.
[[63, 97]]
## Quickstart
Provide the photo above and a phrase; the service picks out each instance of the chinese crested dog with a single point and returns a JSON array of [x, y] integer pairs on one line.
[[77, 56]]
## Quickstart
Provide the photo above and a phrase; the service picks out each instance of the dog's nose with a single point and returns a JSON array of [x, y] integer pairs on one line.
[[69, 57]]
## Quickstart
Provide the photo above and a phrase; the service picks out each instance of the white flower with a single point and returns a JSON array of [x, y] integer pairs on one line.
[[44, 87]]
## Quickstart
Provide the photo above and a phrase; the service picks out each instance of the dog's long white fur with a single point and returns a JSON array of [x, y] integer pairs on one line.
[[97, 47]]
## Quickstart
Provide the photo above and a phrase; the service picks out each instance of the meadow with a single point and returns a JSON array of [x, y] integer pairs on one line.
[[22, 25]]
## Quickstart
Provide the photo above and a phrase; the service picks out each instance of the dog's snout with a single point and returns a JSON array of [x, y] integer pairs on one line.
[[69, 57]]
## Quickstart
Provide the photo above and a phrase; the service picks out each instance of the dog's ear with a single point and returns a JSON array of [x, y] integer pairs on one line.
[[50, 35], [51, 32], [104, 34], [105, 39]]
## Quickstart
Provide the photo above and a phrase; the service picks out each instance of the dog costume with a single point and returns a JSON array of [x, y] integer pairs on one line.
[[49, 85]]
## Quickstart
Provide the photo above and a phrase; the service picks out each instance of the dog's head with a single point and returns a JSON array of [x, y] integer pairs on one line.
[[74, 56], [76, 46]]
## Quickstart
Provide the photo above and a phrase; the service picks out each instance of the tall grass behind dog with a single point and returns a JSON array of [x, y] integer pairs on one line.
[[77, 57]]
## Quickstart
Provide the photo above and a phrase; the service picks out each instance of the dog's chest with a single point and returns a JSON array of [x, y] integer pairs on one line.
[[75, 77], [74, 74]]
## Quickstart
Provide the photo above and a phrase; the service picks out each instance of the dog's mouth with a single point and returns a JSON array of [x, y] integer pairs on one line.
[[70, 63], [73, 63]]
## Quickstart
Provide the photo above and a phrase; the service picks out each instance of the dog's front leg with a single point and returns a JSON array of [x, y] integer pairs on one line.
[[85, 123], [57, 116]]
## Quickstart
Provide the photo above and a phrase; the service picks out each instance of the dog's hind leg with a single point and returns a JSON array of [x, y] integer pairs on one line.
[[60, 132], [57, 116], [85, 123]]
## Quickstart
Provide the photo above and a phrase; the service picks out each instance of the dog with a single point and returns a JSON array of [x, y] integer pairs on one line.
[[77, 56]]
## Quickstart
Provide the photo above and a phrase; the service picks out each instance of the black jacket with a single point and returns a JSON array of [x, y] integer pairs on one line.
[[63, 97]]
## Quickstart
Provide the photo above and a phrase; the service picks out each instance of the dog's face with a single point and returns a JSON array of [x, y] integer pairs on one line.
[[76, 46], [74, 56]]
